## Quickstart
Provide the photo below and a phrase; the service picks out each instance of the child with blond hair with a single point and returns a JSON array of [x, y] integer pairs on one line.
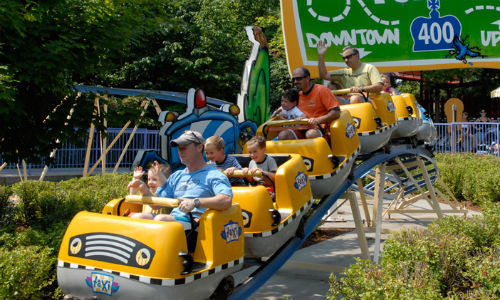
[[256, 147], [214, 149], [157, 176]]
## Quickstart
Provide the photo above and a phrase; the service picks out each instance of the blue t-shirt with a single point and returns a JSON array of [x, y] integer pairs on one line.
[[206, 182]]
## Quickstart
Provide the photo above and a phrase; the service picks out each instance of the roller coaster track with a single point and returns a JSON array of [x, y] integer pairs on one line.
[[310, 221]]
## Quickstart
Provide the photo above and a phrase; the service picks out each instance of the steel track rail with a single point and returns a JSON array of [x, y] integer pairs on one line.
[[309, 223]]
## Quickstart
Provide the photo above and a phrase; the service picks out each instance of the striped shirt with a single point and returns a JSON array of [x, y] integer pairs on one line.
[[229, 161]]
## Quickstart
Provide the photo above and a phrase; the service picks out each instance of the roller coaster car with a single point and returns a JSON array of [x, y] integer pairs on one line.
[[372, 131], [269, 223], [106, 254], [408, 115], [327, 166], [375, 120], [427, 131]]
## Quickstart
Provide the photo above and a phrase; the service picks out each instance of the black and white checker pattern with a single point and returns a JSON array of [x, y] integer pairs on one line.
[[344, 165], [377, 131], [284, 224], [156, 281]]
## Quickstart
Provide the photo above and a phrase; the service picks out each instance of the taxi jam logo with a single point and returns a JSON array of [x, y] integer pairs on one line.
[[232, 232], [300, 181], [102, 283], [350, 130], [390, 106], [441, 33]]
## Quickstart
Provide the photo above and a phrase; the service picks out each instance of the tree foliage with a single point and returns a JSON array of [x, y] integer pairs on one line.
[[47, 46]]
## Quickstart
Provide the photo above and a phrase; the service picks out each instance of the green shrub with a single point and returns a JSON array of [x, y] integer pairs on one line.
[[454, 258], [36, 227], [365, 280], [470, 176], [31, 194], [6, 206], [43, 203], [21, 278], [95, 191]]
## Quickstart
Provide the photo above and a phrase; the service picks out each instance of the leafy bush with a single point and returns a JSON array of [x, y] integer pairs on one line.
[[37, 225], [6, 206], [20, 278], [454, 258], [43, 203], [470, 176]]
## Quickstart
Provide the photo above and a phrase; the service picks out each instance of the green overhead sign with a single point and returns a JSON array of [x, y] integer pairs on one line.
[[395, 34]]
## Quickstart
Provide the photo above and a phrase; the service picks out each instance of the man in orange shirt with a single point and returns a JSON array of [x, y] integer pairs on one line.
[[316, 101]]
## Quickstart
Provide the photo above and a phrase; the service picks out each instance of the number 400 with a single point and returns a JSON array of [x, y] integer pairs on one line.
[[436, 33]]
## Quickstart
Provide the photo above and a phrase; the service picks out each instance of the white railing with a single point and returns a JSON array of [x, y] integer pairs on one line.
[[70, 156], [475, 137]]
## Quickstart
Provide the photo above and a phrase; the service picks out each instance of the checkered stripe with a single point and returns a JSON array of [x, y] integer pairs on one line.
[[406, 119], [352, 157], [377, 131], [156, 281], [282, 225]]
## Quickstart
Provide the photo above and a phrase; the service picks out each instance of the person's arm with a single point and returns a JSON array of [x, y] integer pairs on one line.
[[138, 185], [374, 88], [270, 175], [217, 202], [377, 84], [155, 168], [138, 172], [332, 114], [323, 73], [272, 168], [330, 102]]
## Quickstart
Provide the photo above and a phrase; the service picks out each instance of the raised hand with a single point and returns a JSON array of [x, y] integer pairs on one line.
[[155, 168], [138, 172], [321, 48]]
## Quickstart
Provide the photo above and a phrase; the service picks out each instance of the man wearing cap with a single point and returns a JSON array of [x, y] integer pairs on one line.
[[199, 186], [359, 77]]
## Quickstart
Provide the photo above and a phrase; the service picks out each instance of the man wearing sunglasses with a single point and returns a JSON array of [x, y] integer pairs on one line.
[[358, 77], [316, 102]]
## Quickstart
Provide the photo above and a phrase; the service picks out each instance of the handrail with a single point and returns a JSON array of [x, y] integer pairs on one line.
[[138, 199]]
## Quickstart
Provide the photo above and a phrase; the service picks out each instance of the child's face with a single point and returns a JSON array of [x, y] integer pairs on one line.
[[286, 104], [153, 181], [256, 153], [213, 153]]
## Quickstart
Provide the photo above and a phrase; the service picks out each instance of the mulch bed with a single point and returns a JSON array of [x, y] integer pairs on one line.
[[322, 234]]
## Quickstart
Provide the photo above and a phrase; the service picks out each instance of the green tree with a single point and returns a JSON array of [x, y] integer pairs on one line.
[[45, 47], [203, 45]]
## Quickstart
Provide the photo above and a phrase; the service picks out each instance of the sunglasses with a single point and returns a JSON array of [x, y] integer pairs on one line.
[[298, 78], [348, 56]]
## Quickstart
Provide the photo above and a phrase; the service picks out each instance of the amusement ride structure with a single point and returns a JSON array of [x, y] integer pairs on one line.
[[381, 148]]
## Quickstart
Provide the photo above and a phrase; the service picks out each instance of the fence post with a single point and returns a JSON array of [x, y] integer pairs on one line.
[[453, 141]]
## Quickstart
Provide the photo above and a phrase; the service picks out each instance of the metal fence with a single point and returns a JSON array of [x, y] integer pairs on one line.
[[451, 137], [70, 156], [475, 137]]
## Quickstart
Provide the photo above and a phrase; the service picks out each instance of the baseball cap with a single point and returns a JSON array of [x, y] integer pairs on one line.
[[188, 137]]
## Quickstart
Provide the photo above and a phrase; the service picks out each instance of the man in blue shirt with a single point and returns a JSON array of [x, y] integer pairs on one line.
[[199, 186]]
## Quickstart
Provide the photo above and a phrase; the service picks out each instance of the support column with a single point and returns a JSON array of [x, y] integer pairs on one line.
[[378, 207], [359, 225]]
